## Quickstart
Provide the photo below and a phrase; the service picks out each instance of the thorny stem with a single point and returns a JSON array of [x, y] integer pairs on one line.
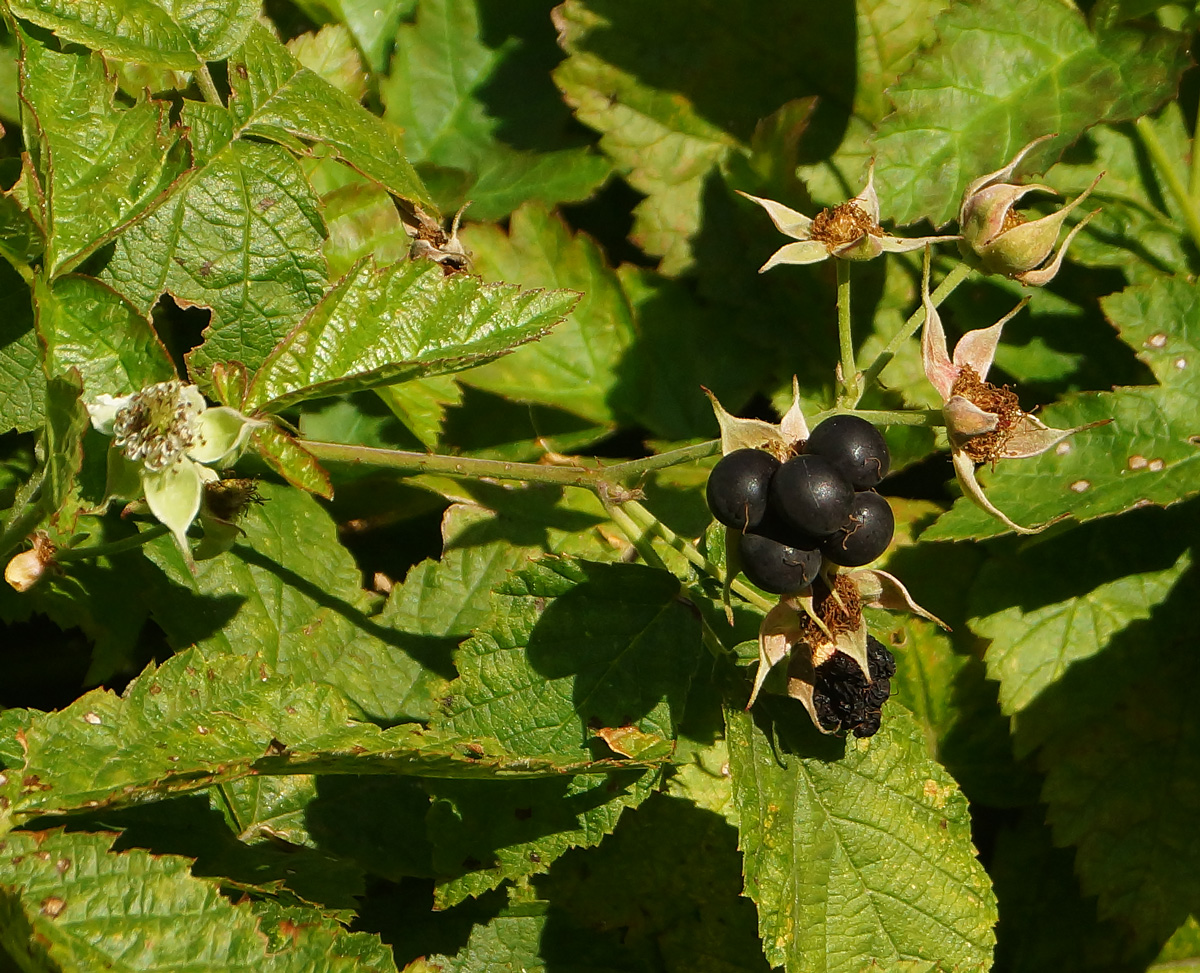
[[652, 525], [845, 338], [581, 476], [956, 276], [108, 550], [1170, 175], [639, 535], [207, 87]]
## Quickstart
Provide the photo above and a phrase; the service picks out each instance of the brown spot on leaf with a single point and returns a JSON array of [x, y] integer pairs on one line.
[[155, 689], [62, 865], [52, 906]]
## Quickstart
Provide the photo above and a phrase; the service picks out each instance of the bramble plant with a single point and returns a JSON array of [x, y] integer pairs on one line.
[[446, 528]]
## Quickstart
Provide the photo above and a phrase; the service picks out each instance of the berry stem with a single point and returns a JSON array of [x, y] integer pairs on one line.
[[956, 276], [652, 525], [850, 385], [1170, 175], [887, 417], [639, 534], [108, 550]]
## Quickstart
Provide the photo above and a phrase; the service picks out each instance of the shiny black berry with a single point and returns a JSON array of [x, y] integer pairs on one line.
[[737, 487], [854, 447], [866, 534], [777, 568], [810, 495]]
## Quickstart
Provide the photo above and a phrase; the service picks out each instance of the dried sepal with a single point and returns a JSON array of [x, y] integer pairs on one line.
[[879, 589], [777, 634], [738, 433]]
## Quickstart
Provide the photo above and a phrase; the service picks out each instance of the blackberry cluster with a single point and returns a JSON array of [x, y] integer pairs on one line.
[[843, 698], [820, 503]]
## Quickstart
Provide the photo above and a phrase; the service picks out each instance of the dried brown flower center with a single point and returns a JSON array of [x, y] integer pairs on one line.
[[1012, 218], [1002, 402], [840, 614], [843, 225]]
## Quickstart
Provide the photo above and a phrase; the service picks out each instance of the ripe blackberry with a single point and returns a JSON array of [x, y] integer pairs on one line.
[[778, 568], [737, 487], [843, 698], [866, 533], [810, 495], [856, 449]]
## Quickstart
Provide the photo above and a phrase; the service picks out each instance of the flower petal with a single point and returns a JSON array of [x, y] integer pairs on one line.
[[897, 244], [103, 411], [1032, 436], [174, 495], [786, 220], [779, 630], [1003, 173], [878, 589], [964, 469], [939, 369], [220, 432], [1043, 275], [978, 348], [806, 252]]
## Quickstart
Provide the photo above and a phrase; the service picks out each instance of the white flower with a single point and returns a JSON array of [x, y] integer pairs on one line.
[[849, 231], [169, 437]]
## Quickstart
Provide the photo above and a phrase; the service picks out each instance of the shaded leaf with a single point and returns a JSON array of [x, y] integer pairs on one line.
[[861, 857], [1017, 67], [98, 168], [434, 93], [574, 368], [408, 320], [22, 379], [291, 460]]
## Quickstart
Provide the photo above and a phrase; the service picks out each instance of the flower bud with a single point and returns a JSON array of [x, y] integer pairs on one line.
[[26, 569], [1000, 240]]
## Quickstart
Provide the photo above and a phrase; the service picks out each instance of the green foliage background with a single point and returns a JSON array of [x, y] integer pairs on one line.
[[370, 736]]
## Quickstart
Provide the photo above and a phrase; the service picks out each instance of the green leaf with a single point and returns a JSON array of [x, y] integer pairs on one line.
[[67, 905], [362, 221], [167, 33], [291, 460], [330, 54], [22, 391], [62, 443], [571, 646], [409, 320], [99, 169], [576, 367], [289, 591], [273, 97], [21, 238], [856, 857], [420, 404], [435, 93], [86, 325], [1004, 73], [1118, 733], [243, 238], [890, 38], [1146, 455], [200, 720], [1041, 619]]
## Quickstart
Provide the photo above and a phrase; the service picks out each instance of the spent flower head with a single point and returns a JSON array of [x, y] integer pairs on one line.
[[984, 422], [168, 437], [999, 240], [850, 231]]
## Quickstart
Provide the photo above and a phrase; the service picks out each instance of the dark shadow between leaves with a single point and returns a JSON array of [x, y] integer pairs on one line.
[[786, 723]]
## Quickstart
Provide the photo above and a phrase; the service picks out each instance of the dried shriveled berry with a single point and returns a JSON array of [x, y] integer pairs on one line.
[[775, 567], [856, 449], [737, 487], [866, 534], [810, 495], [843, 698]]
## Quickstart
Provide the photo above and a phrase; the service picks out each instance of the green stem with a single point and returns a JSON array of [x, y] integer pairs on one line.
[[19, 528], [581, 476], [1194, 182], [207, 87], [1166, 168], [639, 536], [956, 276], [108, 550], [652, 525], [845, 337]]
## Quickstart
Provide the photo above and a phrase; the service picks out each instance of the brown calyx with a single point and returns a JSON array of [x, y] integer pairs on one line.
[[1002, 402], [842, 225], [840, 614]]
